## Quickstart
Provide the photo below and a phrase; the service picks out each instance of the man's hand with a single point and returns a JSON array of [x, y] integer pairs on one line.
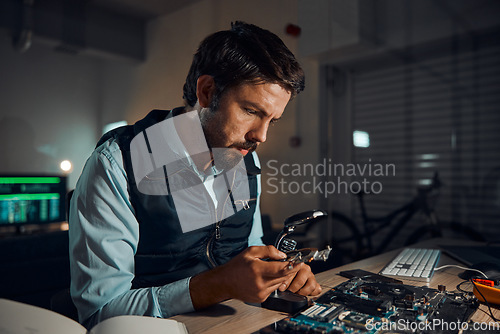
[[303, 282], [250, 279]]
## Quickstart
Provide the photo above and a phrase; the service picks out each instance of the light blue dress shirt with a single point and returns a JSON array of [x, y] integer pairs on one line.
[[104, 236]]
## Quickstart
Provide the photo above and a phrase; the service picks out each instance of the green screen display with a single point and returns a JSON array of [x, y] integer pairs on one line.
[[26, 199]]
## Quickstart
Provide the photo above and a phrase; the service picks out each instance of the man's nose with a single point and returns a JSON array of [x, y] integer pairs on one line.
[[259, 133]]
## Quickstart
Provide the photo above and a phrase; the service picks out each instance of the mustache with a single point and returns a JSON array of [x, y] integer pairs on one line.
[[249, 146]]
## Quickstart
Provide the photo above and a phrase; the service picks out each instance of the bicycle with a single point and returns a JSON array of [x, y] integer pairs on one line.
[[352, 244]]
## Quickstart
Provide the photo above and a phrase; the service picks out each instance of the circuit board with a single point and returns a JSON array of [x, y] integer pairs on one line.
[[371, 306]]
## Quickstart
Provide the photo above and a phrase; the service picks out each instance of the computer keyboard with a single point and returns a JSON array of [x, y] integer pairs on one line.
[[415, 264]]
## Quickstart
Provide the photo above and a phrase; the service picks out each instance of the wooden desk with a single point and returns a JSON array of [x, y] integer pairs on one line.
[[234, 316]]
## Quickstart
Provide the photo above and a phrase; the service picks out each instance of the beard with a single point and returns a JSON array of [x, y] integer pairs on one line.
[[225, 156]]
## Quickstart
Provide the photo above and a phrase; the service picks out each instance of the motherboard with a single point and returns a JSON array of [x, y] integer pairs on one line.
[[363, 305]]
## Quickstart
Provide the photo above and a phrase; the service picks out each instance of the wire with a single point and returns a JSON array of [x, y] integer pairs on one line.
[[487, 304], [459, 287], [460, 267], [474, 283]]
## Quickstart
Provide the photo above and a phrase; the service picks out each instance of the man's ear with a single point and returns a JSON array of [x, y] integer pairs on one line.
[[205, 88]]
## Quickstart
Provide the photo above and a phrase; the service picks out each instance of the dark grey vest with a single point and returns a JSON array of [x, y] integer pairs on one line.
[[166, 254]]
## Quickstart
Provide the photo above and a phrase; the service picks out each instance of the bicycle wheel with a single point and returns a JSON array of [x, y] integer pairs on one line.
[[445, 230]]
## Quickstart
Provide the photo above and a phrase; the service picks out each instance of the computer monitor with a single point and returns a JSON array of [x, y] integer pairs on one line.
[[32, 199]]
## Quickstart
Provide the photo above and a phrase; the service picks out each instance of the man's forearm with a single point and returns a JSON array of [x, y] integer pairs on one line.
[[207, 289]]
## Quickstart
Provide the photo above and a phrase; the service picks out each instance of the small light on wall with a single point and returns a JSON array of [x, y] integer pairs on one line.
[[66, 166], [361, 138]]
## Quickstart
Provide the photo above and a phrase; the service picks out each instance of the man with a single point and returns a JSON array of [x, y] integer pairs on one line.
[[133, 247]]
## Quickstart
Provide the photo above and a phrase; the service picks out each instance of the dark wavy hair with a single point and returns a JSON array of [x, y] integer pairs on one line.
[[244, 54]]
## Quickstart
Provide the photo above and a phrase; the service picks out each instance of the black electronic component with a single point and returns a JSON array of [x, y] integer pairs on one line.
[[356, 320], [285, 301], [351, 301], [371, 290]]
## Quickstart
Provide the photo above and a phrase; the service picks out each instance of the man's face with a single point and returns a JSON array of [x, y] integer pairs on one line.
[[243, 117]]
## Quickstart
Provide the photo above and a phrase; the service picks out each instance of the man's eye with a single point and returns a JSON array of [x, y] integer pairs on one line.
[[250, 111]]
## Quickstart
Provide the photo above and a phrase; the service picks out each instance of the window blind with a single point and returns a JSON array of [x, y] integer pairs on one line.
[[439, 114]]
